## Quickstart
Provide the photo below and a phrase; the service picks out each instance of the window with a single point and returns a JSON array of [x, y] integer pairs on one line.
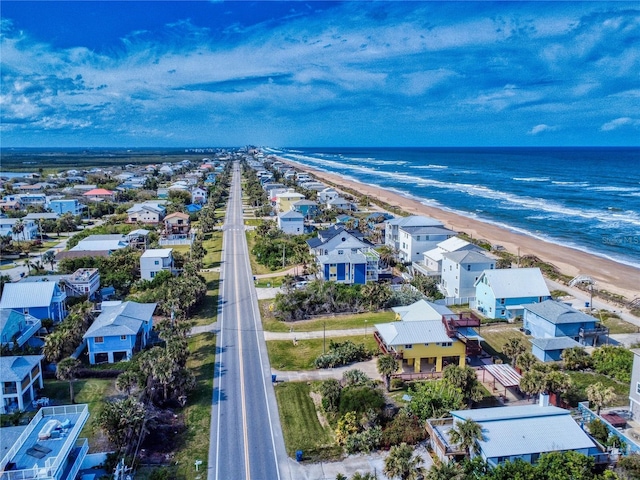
[[408, 347], [99, 340], [457, 266], [418, 238], [468, 268], [123, 337], [501, 312], [25, 311], [156, 262], [153, 274], [446, 344], [340, 252], [638, 388], [502, 301]]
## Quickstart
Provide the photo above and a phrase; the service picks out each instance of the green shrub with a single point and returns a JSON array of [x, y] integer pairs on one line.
[[613, 361], [342, 353], [365, 441], [404, 428], [397, 383], [359, 399], [599, 430]]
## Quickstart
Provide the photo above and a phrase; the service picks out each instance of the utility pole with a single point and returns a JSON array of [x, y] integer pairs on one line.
[[324, 337]]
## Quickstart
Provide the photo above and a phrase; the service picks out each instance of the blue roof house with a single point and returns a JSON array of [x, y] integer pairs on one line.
[[557, 326], [122, 329], [520, 432], [17, 328], [40, 299], [66, 205], [502, 293]]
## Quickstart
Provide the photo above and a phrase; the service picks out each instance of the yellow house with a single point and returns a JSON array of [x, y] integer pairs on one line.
[[285, 200], [423, 345]]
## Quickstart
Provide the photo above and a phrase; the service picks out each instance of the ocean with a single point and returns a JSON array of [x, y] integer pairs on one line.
[[584, 198]]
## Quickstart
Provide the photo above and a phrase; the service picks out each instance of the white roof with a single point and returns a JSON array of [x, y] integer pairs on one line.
[[453, 244], [467, 256], [420, 311], [292, 214], [521, 430], [414, 221], [27, 295], [157, 253], [409, 333], [516, 282], [94, 243]]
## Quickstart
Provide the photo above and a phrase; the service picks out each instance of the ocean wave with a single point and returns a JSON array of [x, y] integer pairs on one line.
[[429, 167], [531, 179], [570, 184], [614, 189]]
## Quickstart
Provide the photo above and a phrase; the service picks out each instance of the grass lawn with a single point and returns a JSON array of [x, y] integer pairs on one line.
[[496, 335], [94, 392], [197, 414], [213, 245], [255, 267], [615, 324], [300, 425], [207, 312], [284, 355], [340, 322], [253, 222], [581, 380], [270, 282]]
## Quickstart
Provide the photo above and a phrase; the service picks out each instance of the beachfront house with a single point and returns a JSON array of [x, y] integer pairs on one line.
[[413, 235], [40, 300], [17, 328], [557, 326], [338, 203], [20, 376], [503, 293], [432, 261], [121, 329], [522, 432], [327, 194], [291, 222], [155, 260], [460, 271]]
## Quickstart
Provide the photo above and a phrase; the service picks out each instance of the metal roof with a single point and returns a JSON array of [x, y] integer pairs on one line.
[[515, 282], [28, 295], [558, 312], [292, 214], [409, 333], [555, 343], [414, 221], [467, 256], [516, 431], [14, 368], [505, 374], [157, 253], [421, 310]]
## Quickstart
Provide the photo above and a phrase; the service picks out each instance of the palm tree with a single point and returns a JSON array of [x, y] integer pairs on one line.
[[387, 366], [525, 361], [67, 369], [533, 382], [387, 255], [466, 435], [445, 471], [49, 257], [17, 229], [54, 345], [513, 348], [465, 379], [575, 358], [402, 464], [600, 395], [126, 381], [3, 280]]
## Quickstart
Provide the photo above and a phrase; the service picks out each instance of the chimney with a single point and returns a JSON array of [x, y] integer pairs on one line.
[[544, 400]]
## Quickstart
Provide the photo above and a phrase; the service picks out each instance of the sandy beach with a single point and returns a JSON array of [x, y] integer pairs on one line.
[[609, 275]]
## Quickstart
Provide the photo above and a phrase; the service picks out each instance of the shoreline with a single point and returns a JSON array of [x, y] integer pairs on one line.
[[609, 275]]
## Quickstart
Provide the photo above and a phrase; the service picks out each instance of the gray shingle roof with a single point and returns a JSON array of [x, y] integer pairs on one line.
[[14, 369], [27, 295], [123, 319], [467, 256], [422, 310], [558, 312], [554, 343]]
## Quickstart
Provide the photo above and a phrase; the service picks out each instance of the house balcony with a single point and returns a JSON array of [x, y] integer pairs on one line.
[[32, 326], [438, 430], [384, 348], [593, 332], [423, 270]]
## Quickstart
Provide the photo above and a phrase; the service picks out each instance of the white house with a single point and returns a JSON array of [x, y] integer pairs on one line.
[[29, 229], [146, 213], [327, 194], [339, 203], [291, 222], [461, 270], [155, 260], [412, 236], [199, 195], [433, 258]]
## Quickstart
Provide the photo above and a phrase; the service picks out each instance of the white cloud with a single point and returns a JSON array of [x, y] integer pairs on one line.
[[618, 123], [541, 128]]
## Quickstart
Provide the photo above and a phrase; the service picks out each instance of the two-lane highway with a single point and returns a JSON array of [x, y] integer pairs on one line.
[[246, 437]]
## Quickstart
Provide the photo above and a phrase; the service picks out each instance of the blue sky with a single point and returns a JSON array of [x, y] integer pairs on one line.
[[409, 73]]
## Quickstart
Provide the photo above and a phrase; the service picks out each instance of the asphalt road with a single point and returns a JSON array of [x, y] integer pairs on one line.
[[246, 437]]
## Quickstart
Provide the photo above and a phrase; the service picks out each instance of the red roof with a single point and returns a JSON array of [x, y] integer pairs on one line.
[[98, 191]]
